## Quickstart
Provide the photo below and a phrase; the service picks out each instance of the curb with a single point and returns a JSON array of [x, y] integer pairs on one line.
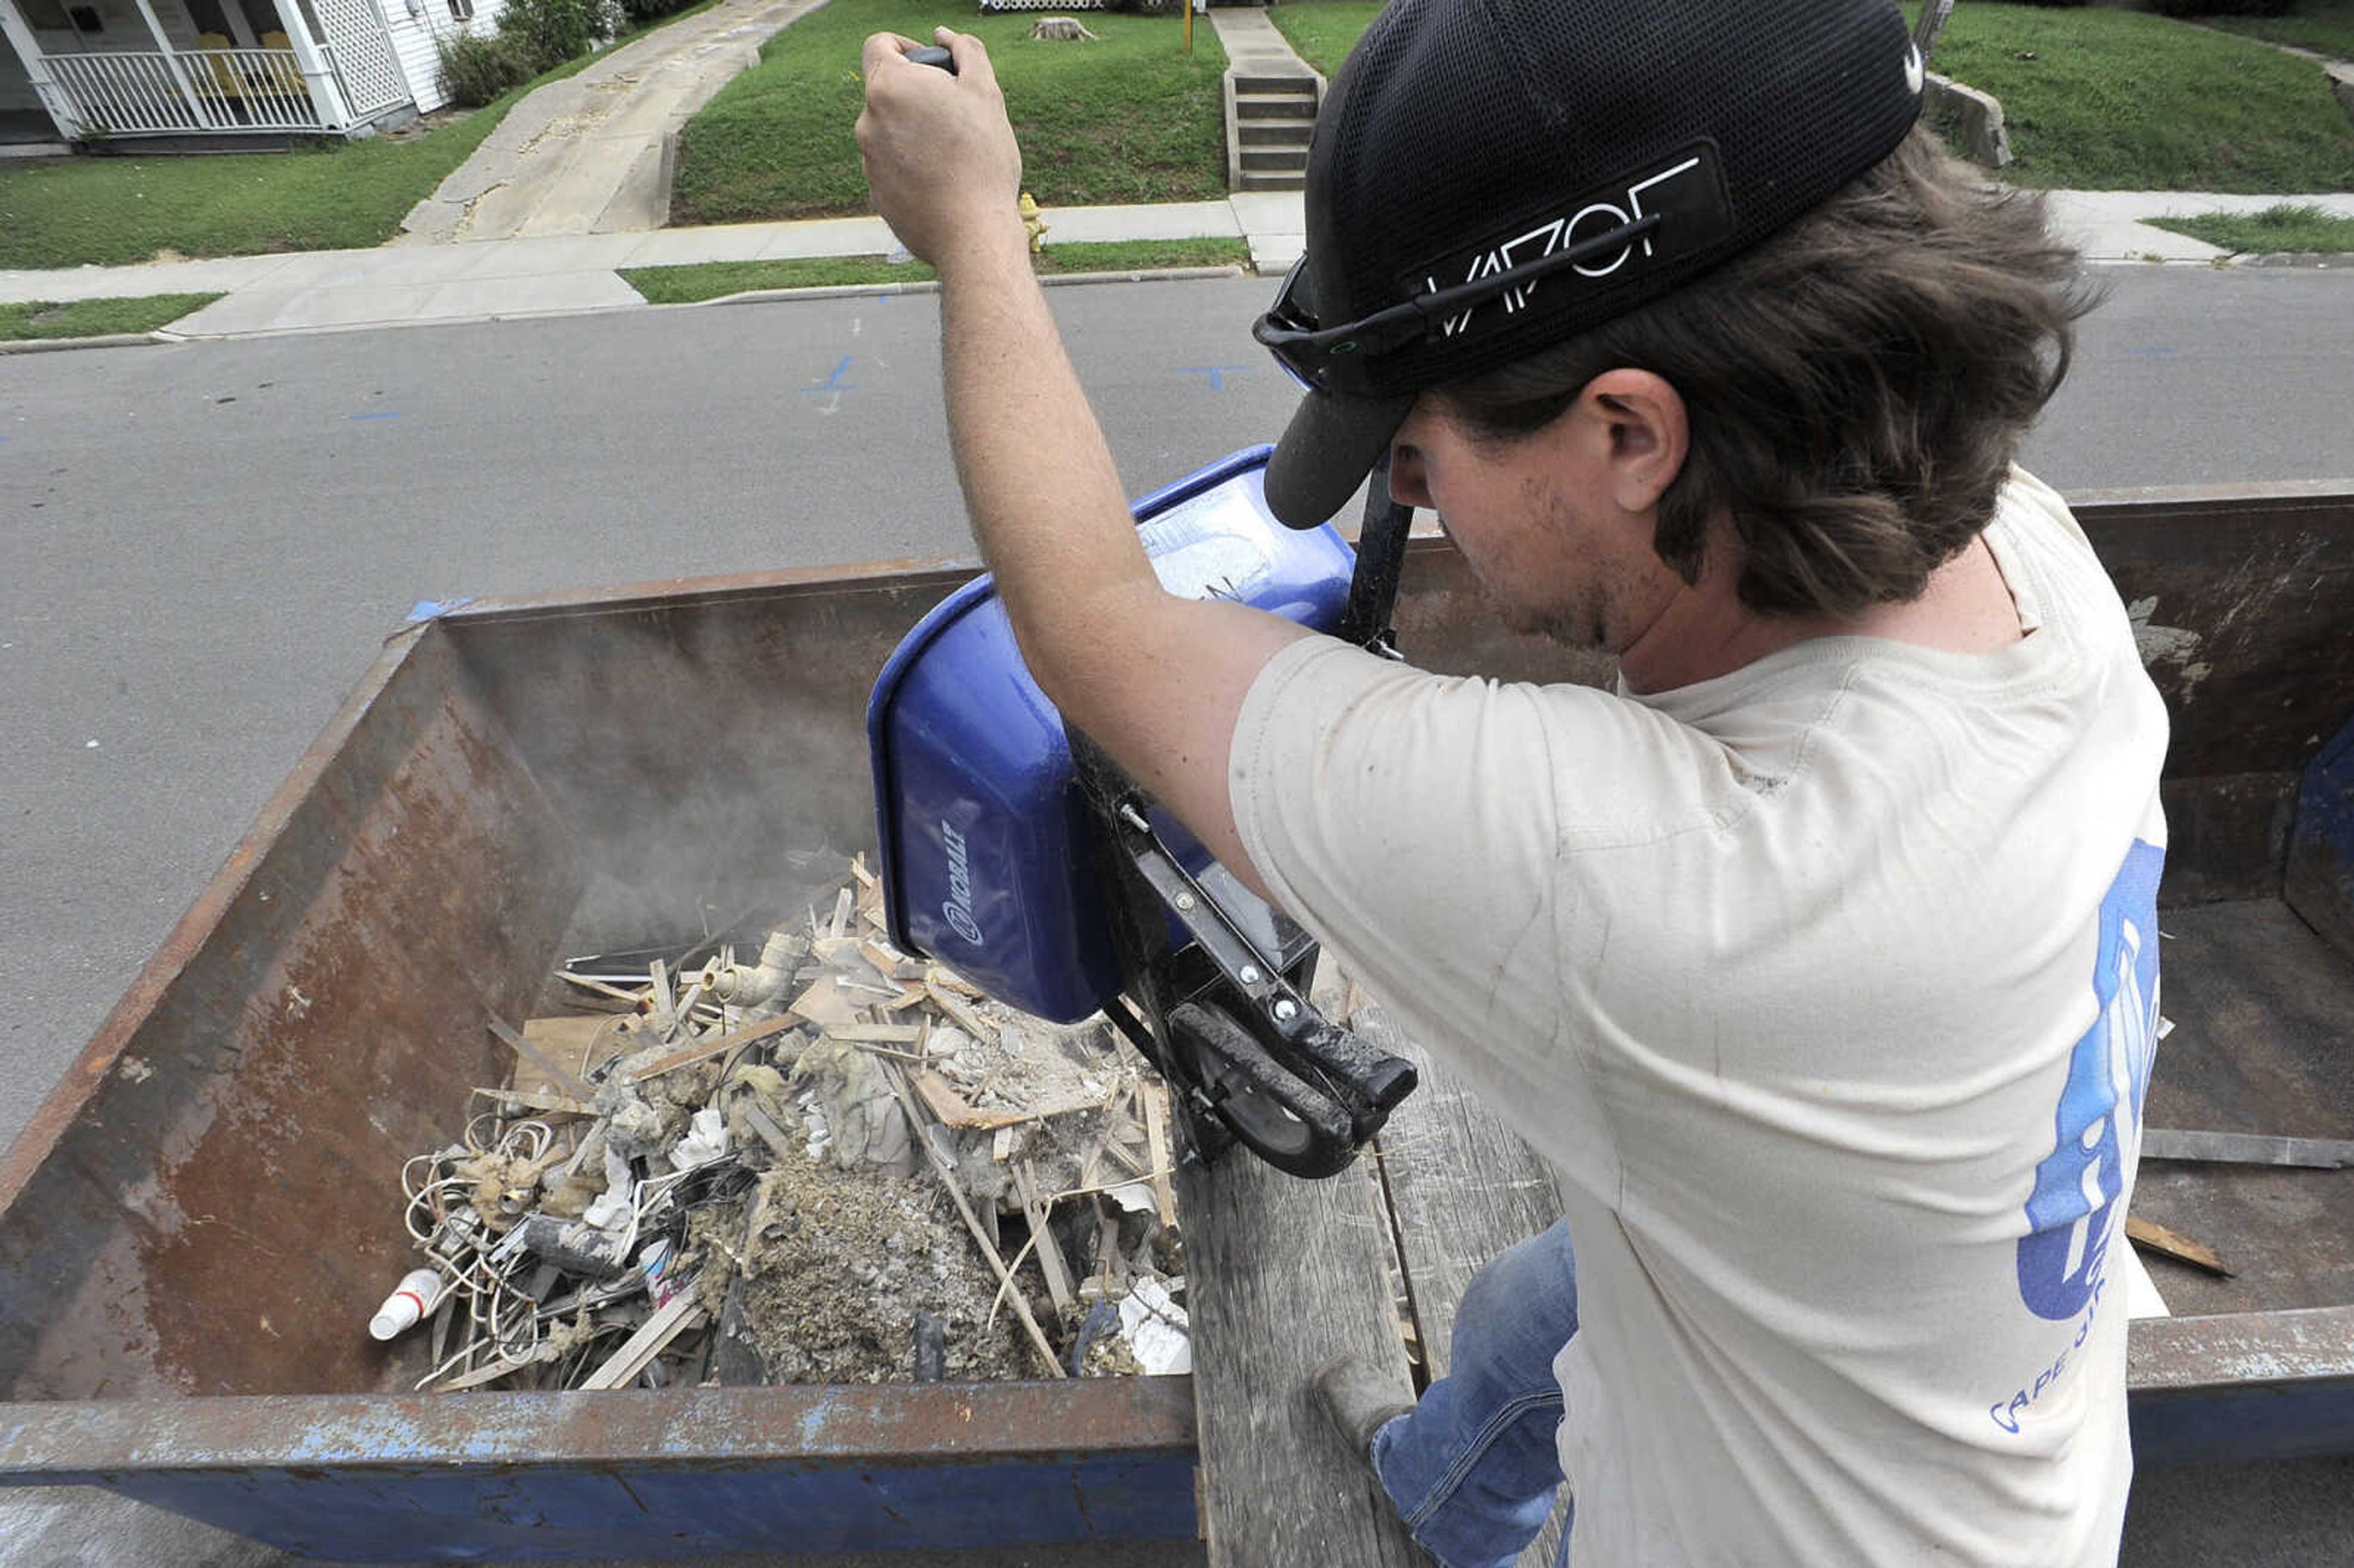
[[62, 344], [1060, 279], [834, 291]]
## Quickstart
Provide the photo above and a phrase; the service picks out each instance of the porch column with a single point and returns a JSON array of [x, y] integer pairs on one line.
[[172, 63], [326, 94], [54, 98]]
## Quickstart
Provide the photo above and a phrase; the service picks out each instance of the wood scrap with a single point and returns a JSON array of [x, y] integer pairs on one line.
[[948, 980], [702, 1051], [959, 1013], [1050, 1252], [665, 1008], [2176, 1246], [557, 1076], [671, 1320], [770, 1133], [953, 1110], [482, 1374], [824, 1003], [581, 1041], [600, 988], [544, 1101], [890, 963], [947, 1175], [1156, 1136]]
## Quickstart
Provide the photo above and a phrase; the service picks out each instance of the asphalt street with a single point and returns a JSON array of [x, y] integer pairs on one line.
[[203, 546]]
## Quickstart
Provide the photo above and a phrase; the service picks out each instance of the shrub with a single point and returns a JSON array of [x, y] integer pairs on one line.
[[476, 69], [547, 33], [637, 13]]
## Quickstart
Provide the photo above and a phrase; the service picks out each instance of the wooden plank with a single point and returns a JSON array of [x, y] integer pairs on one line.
[[953, 1110], [962, 1016], [671, 1320], [1462, 1188], [577, 1041], [875, 1034], [687, 1056], [1156, 1135], [1050, 1252], [2176, 1246], [1282, 1276], [553, 1074]]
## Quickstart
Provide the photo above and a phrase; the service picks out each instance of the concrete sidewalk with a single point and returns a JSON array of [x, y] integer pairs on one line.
[[399, 285]]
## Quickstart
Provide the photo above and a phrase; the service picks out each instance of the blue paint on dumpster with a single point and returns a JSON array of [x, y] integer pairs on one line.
[[363, 1514]]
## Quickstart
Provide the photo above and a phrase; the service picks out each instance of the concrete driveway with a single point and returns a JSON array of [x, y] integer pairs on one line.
[[593, 153]]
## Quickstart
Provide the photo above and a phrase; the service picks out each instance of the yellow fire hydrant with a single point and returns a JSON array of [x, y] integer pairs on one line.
[[1033, 219]]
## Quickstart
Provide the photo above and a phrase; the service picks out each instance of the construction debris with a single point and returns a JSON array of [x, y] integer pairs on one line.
[[836, 1164]]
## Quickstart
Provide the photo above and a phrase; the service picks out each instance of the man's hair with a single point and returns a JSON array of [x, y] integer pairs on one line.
[[1857, 384]]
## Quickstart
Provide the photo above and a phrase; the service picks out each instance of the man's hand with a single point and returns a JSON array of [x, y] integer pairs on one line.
[[940, 156]]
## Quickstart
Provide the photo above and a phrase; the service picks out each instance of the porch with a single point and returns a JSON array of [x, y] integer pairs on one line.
[[109, 69]]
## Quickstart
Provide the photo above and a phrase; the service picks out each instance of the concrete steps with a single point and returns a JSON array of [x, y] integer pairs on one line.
[[1272, 96], [1269, 119]]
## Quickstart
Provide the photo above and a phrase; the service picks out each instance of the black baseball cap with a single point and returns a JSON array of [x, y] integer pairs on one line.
[[1491, 177]]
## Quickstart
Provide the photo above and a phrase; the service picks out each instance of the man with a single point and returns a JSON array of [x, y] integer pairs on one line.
[[1819, 959]]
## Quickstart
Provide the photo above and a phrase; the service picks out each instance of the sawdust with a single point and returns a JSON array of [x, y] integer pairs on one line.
[[842, 1262]]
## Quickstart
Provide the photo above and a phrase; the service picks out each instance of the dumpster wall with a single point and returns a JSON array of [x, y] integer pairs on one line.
[[203, 1199], [210, 1203]]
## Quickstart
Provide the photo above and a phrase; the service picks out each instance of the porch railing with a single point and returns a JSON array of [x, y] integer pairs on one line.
[[123, 92]]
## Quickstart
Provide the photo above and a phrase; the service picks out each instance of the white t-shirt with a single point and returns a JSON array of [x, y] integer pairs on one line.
[[1829, 988]]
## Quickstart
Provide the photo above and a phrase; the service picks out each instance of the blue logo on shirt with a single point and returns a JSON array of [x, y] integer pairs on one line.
[[2071, 1214]]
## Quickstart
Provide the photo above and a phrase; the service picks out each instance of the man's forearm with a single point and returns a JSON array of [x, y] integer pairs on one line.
[[1045, 498]]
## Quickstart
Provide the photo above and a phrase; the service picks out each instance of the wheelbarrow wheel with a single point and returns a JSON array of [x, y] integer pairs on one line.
[[1280, 1117]]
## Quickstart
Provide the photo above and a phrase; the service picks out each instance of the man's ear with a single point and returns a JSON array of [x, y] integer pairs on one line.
[[1650, 433]]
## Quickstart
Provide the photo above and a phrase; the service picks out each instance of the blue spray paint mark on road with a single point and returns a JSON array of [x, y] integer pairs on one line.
[[357, 416], [434, 609], [1216, 373], [834, 382]]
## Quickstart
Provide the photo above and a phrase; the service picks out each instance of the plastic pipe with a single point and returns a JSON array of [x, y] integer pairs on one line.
[[754, 986]]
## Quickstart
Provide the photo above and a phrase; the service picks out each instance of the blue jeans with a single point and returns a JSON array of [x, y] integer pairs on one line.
[[1473, 1469]]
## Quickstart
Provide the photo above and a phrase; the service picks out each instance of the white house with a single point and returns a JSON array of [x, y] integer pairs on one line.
[[225, 67]]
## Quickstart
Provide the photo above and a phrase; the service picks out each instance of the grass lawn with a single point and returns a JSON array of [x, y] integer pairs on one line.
[[339, 195], [1130, 118], [2096, 99], [2285, 228], [2109, 99], [712, 279], [96, 318], [2325, 26], [1324, 34]]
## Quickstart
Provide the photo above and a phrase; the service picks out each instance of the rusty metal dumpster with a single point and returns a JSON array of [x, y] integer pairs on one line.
[[194, 1224]]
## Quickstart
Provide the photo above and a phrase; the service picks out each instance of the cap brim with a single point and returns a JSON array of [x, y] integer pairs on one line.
[[1329, 446]]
